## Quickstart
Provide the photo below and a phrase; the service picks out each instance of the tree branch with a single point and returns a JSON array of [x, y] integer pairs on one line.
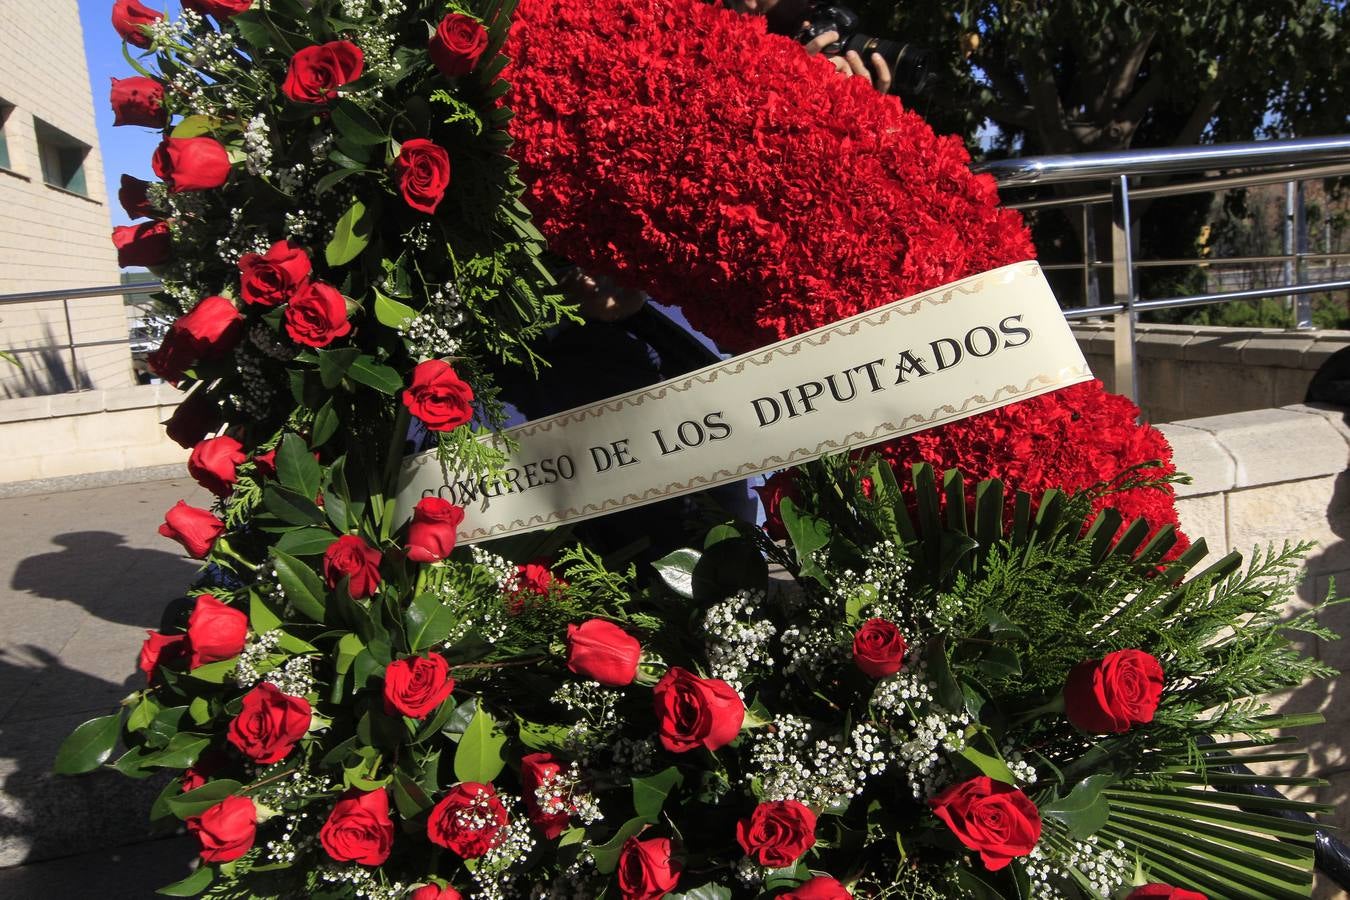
[[1050, 124], [1122, 79]]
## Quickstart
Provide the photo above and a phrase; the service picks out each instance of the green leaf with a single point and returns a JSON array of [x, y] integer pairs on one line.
[[429, 622], [190, 886], [183, 750], [357, 125], [677, 571], [199, 800], [214, 673], [707, 891], [326, 424], [390, 312], [350, 236], [479, 754], [195, 126], [297, 468], [142, 714], [306, 541], [290, 507], [300, 584], [261, 617], [333, 365], [649, 794], [989, 765], [606, 856], [384, 379], [349, 647], [333, 179], [949, 693], [1084, 810], [88, 746], [409, 797], [808, 534]]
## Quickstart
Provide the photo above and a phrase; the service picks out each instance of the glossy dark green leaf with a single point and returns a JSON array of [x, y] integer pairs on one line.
[[1084, 810], [391, 313], [677, 571], [182, 751], [409, 797], [333, 365], [649, 794], [708, 891], [357, 125], [808, 534], [190, 886], [384, 379], [290, 507], [199, 800], [479, 754], [606, 856], [326, 424], [297, 468], [89, 745], [350, 236], [301, 585], [429, 622], [306, 541]]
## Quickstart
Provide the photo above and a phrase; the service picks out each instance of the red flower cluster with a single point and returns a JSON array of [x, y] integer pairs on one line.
[[792, 198]]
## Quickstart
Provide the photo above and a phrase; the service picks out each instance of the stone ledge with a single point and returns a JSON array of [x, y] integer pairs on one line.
[[1268, 347], [1264, 446], [84, 403]]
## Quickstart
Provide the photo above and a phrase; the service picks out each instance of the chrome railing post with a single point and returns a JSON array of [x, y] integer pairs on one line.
[[1303, 319], [70, 344], [1122, 282], [1091, 296]]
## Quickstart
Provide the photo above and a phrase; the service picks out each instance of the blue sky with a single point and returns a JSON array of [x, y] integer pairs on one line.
[[126, 149]]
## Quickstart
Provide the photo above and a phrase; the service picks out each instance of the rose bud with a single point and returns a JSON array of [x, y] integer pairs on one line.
[[272, 278], [215, 631], [777, 488], [458, 43], [221, 9], [146, 244], [994, 819], [210, 763], [438, 397], [134, 199], [531, 581], [159, 649], [431, 536], [693, 712], [1114, 693], [878, 648], [647, 871], [176, 353], [196, 529], [822, 887], [602, 651], [267, 463], [469, 820], [129, 18], [316, 73], [349, 556], [194, 419], [269, 724], [423, 171], [191, 164], [317, 315], [226, 831], [777, 833], [214, 462], [416, 687], [435, 892], [540, 773], [138, 101], [1157, 891], [359, 829]]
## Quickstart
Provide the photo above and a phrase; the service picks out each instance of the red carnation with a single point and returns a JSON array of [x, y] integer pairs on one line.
[[777, 833], [438, 397], [603, 652], [416, 687], [878, 648], [694, 712], [992, 818], [822, 887], [129, 18], [1113, 694], [359, 829], [213, 464], [648, 870], [272, 278], [317, 315], [423, 171], [215, 631], [195, 528], [138, 101], [159, 649], [351, 557], [191, 164], [541, 774], [469, 820], [431, 536], [269, 724], [134, 198], [227, 830], [145, 244], [317, 72], [458, 43]]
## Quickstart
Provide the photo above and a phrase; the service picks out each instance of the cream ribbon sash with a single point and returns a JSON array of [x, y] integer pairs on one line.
[[961, 349]]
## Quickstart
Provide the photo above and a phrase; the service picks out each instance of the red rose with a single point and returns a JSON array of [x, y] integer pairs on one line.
[[431, 536], [1114, 693], [545, 793], [195, 528], [438, 397], [221, 9], [359, 829], [603, 652], [271, 278], [129, 17], [822, 887], [531, 581], [878, 648], [417, 686], [696, 712], [647, 871], [176, 353], [146, 244], [226, 830], [192, 420], [457, 44], [191, 164], [350, 556], [138, 101], [317, 72], [435, 892], [423, 174], [159, 649], [132, 196], [317, 315], [269, 724], [468, 820], [213, 464], [215, 631], [214, 326], [211, 762], [778, 487], [992, 818], [267, 463], [777, 833], [1164, 892]]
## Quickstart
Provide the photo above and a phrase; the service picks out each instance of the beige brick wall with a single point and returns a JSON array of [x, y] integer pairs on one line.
[[49, 238]]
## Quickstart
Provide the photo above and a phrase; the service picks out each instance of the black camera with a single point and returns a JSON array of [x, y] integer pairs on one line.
[[909, 65]]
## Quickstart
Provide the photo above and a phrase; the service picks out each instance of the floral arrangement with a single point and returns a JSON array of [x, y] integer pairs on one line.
[[944, 690], [790, 200]]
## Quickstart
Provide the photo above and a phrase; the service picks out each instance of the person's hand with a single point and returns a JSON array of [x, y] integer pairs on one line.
[[599, 298], [851, 64]]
